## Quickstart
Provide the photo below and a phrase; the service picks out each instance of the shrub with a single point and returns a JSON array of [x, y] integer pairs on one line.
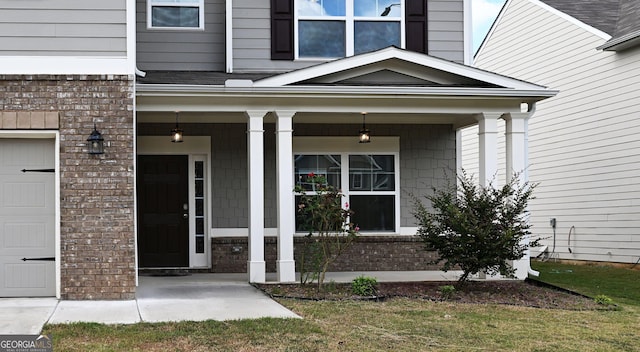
[[603, 300], [364, 286], [330, 232], [476, 228], [447, 291]]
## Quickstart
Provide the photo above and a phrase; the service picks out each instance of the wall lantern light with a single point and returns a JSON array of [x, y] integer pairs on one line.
[[96, 142], [364, 132], [176, 133]]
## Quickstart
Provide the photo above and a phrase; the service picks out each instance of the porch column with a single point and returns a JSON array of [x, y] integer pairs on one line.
[[256, 267], [516, 162], [286, 207], [488, 147]]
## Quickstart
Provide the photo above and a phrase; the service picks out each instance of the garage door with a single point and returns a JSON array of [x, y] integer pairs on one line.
[[27, 218]]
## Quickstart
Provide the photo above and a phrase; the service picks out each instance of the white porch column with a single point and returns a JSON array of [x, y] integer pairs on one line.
[[488, 147], [256, 267], [286, 207], [516, 154]]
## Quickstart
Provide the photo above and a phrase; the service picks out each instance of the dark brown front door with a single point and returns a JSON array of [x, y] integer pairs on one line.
[[163, 221]]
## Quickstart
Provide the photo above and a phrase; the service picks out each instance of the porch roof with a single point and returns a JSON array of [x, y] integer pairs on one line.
[[393, 85]]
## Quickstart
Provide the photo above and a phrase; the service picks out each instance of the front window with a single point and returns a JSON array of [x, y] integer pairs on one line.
[[339, 28], [369, 184], [175, 14]]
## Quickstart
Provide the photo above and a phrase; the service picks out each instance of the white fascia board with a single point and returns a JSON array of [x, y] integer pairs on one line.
[[399, 54], [571, 19], [54, 65], [293, 91]]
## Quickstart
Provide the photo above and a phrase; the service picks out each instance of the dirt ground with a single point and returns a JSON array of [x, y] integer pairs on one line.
[[519, 293]]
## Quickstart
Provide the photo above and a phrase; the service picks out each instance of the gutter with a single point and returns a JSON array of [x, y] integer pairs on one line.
[[621, 43], [210, 90]]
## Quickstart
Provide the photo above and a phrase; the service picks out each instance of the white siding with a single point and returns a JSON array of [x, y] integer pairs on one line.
[[584, 149], [63, 27]]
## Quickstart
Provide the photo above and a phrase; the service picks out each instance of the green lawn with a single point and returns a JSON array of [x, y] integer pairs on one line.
[[621, 285], [398, 325]]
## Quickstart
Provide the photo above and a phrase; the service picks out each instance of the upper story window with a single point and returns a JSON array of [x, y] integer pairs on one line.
[[175, 14], [339, 28]]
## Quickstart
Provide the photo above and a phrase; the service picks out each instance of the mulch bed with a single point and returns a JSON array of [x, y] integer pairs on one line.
[[527, 293]]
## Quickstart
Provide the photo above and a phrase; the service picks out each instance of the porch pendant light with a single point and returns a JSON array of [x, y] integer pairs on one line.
[[364, 132], [96, 142], [176, 133]]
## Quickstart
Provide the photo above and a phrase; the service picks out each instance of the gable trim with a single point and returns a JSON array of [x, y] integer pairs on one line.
[[353, 62]]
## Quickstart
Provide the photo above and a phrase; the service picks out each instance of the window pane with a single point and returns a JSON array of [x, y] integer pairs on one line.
[[373, 213], [321, 39], [172, 16], [321, 165], [199, 169], [377, 8], [374, 35], [320, 7], [371, 173]]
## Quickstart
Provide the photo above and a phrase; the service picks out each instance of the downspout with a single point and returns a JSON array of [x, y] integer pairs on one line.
[[531, 111]]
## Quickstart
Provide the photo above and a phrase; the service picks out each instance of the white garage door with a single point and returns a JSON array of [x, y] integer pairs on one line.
[[27, 218]]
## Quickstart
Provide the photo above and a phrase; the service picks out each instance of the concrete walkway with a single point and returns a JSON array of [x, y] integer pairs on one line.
[[195, 297]]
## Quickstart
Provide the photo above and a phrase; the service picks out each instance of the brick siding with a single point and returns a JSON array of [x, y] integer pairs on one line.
[[96, 191], [368, 253]]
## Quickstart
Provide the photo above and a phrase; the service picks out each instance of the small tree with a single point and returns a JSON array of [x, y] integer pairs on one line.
[[476, 228], [330, 232]]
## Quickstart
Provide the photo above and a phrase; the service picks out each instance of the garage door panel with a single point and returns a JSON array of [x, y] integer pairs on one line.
[[27, 218]]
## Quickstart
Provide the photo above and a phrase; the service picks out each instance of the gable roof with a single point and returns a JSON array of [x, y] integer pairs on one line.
[[618, 18], [600, 14], [393, 64]]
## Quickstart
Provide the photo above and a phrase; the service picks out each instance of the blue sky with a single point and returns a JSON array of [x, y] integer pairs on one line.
[[483, 12]]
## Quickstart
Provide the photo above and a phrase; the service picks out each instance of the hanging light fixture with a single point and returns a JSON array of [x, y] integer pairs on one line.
[[364, 132], [177, 133], [96, 142]]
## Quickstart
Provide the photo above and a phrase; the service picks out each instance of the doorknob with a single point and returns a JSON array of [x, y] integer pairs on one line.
[[185, 207]]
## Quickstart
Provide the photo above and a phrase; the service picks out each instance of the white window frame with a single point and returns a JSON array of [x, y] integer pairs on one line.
[[349, 20], [346, 146], [169, 3]]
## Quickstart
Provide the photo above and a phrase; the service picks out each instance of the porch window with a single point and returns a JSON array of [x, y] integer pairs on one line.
[[370, 184], [339, 28], [175, 14]]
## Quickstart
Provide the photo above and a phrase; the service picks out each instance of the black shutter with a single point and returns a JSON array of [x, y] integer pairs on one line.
[[416, 25], [281, 29]]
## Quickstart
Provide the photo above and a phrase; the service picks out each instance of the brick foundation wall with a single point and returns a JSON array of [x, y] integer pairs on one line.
[[96, 191], [370, 253]]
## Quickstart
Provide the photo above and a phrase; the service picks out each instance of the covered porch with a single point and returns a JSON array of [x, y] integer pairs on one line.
[[256, 136]]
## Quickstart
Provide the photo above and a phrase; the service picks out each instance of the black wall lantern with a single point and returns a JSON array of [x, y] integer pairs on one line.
[[364, 132], [177, 133], [96, 142]]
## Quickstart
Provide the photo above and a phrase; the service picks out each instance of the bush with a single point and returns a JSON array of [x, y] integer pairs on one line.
[[476, 228], [447, 291], [364, 286]]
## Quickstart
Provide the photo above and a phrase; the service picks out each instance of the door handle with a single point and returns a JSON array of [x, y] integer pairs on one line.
[[185, 207]]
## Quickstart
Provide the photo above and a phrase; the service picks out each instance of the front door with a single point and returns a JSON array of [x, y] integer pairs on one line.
[[163, 211]]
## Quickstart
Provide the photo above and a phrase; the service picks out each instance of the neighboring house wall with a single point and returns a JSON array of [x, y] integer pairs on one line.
[[583, 146], [252, 35], [65, 27], [184, 49], [427, 159]]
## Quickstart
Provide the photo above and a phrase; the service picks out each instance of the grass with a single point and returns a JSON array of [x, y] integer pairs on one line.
[[397, 325], [619, 284]]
